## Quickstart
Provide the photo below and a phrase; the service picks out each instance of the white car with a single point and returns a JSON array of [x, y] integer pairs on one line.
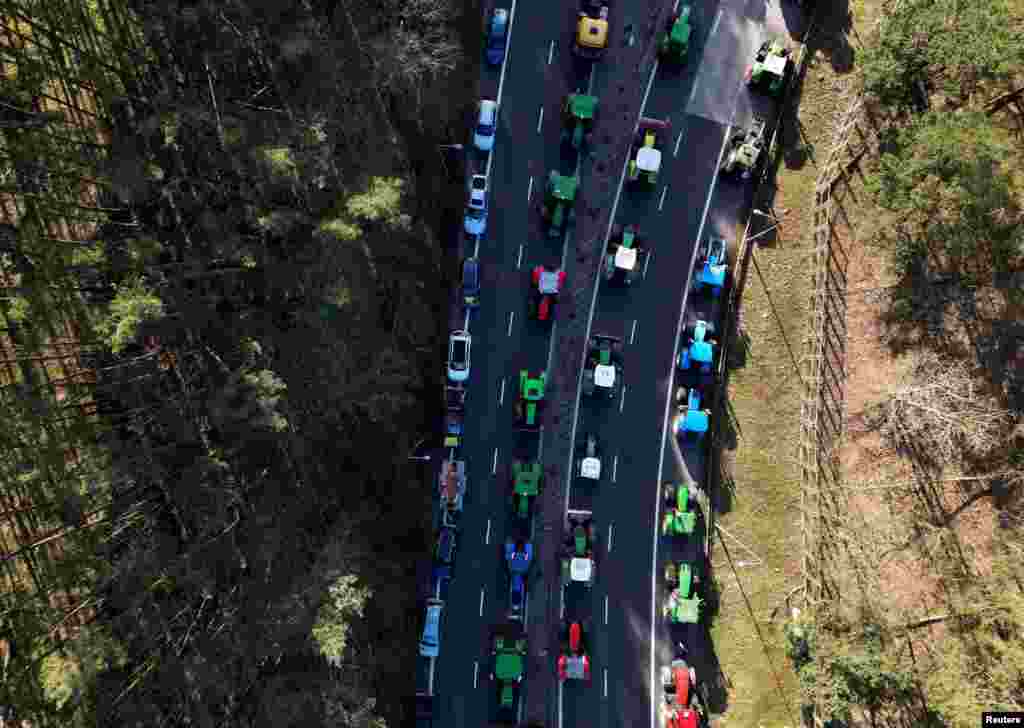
[[486, 125], [475, 221], [430, 642], [458, 356]]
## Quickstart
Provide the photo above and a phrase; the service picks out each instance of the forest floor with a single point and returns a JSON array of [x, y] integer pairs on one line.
[[759, 522]]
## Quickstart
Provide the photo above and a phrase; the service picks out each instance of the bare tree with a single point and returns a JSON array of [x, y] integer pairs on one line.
[[941, 412]]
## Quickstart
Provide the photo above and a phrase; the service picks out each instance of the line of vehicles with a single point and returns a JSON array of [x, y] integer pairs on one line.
[[685, 505]]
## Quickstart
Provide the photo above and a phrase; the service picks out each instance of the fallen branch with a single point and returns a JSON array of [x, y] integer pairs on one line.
[[935, 619]]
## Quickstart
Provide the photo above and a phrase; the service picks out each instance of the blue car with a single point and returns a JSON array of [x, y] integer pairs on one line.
[[497, 35], [471, 282]]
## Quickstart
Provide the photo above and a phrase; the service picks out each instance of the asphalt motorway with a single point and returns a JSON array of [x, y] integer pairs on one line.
[[703, 101], [537, 72]]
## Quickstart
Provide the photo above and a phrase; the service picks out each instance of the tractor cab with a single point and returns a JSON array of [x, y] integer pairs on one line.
[[682, 607], [588, 465], [547, 283], [578, 549], [675, 41], [700, 347], [529, 407], [560, 195], [645, 162], [622, 258], [603, 367], [526, 482], [691, 418], [770, 69], [579, 114]]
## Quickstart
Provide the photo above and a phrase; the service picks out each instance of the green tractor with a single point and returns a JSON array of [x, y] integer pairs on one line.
[[624, 259], [579, 115], [578, 549], [530, 406], [771, 68], [681, 503], [602, 370], [683, 605], [509, 652], [526, 482], [559, 197], [675, 41], [645, 158]]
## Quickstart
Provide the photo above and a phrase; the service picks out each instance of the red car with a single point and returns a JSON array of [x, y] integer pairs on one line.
[[547, 284]]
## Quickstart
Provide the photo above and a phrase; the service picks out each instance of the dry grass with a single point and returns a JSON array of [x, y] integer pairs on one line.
[[764, 396]]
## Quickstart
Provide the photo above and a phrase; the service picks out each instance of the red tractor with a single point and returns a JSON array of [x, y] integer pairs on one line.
[[574, 662], [546, 285], [681, 706]]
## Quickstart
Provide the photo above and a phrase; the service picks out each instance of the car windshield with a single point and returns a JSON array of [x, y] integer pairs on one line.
[[458, 351]]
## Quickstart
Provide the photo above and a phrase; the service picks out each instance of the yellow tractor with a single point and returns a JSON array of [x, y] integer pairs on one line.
[[591, 40]]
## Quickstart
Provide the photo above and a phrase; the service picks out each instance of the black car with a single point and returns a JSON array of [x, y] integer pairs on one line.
[[444, 549], [471, 282], [497, 35]]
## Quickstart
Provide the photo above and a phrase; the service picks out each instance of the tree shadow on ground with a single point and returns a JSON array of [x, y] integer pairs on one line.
[[830, 34], [713, 684]]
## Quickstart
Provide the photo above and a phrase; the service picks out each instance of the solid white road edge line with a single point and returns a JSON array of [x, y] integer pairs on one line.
[[632, 334], [597, 287], [664, 424], [430, 677], [540, 119], [615, 469], [501, 394], [476, 245], [465, 326], [560, 705], [494, 465], [661, 202]]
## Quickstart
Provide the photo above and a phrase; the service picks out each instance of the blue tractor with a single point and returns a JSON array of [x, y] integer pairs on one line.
[[699, 349], [690, 418], [518, 556], [714, 266]]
